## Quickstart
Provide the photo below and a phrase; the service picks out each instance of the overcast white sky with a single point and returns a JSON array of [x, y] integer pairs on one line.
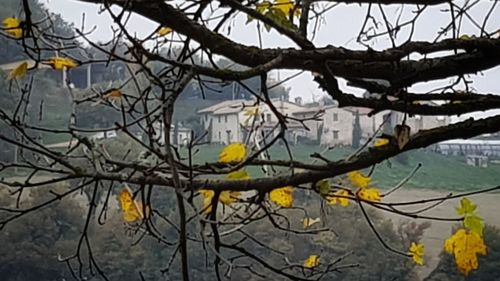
[[340, 28]]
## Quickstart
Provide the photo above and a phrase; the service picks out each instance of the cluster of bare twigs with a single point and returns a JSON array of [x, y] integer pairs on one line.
[[149, 96]]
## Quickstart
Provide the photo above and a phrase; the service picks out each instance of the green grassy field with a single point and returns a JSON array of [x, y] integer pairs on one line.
[[438, 172]]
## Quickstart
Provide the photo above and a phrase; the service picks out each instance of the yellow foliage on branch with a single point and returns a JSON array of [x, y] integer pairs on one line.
[[234, 152], [60, 63], [13, 27], [340, 197], [282, 196], [417, 253], [467, 242], [465, 246], [311, 262], [132, 210], [18, 72], [359, 179]]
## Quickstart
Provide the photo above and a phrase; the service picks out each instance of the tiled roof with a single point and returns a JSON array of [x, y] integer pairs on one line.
[[224, 104]]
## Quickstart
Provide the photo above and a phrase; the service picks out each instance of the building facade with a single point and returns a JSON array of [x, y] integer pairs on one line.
[[241, 120]]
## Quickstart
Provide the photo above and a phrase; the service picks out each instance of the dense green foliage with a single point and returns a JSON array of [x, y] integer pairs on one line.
[[122, 252], [11, 50], [39, 241], [53, 101]]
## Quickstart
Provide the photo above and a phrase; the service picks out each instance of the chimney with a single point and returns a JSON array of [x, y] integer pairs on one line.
[[298, 100]]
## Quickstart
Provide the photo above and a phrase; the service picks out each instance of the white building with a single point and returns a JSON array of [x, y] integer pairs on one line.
[[338, 124], [233, 120], [470, 147]]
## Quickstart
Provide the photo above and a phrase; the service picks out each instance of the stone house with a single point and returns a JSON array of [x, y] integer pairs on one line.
[[338, 124], [312, 124], [233, 120]]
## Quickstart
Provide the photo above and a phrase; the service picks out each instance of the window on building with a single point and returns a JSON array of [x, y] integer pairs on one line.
[[335, 117], [335, 135], [219, 118], [225, 118], [220, 138], [268, 118]]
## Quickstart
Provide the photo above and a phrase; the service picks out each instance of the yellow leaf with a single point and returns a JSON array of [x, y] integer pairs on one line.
[[207, 200], [358, 179], [262, 7], [287, 6], [282, 196], [238, 175], [380, 142], [338, 197], [13, 27], [465, 246], [18, 72], [132, 209], [467, 207], [229, 197], [312, 261], [225, 197], [449, 244], [60, 63], [251, 111], [417, 253], [112, 94], [308, 222], [234, 152], [474, 223], [323, 186], [402, 134], [464, 37], [369, 194], [163, 31]]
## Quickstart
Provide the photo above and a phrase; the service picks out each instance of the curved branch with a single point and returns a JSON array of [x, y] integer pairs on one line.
[[465, 129]]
